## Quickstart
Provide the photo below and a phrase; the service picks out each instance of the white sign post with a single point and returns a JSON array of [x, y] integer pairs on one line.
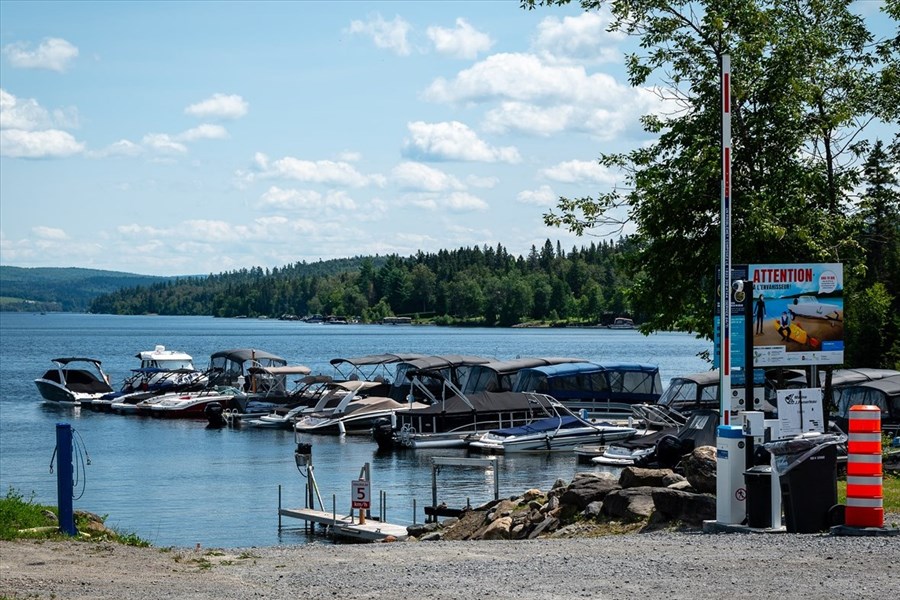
[[360, 497], [800, 411]]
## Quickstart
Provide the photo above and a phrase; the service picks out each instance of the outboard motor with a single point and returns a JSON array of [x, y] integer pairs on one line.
[[383, 433], [213, 413]]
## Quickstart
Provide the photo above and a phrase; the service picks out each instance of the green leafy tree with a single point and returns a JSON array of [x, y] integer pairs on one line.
[[806, 83]]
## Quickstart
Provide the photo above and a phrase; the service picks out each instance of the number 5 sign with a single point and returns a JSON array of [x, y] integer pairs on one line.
[[360, 493]]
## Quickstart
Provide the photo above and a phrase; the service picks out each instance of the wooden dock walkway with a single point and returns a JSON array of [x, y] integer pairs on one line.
[[346, 527]]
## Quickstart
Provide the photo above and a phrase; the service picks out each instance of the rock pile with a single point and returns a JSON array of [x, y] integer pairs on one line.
[[654, 497]]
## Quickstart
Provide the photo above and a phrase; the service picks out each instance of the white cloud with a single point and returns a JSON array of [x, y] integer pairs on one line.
[[464, 202], [321, 171], [580, 171], [120, 148], [482, 182], [390, 35], [462, 42], [53, 54], [49, 233], [543, 196], [222, 106], [539, 98], [529, 118], [305, 200], [164, 143], [453, 141], [349, 156], [50, 143], [581, 38], [21, 114], [203, 132], [416, 176]]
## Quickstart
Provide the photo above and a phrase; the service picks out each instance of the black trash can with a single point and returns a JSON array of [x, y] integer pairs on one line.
[[808, 477], [758, 481]]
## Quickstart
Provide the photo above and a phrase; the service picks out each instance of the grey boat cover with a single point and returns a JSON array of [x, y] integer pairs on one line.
[[481, 401]]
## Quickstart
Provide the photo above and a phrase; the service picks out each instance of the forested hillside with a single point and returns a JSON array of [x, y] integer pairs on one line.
[[474, 285], [66, 289]]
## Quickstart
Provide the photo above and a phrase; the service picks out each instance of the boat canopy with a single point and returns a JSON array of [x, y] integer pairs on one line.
[[500, 375], [480, 402], [65, 361], [883, 393], [614, 381], [228, 365], [374, 359]]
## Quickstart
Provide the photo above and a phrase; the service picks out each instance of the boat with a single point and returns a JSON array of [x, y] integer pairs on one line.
[[621, 323], [607, 389], [191, 405], [232, 367], [883, 393], [452, 368], [456, 415], [561, 430], [73, 380], [282, 415], [665, 445], [810, 307], [501, 375], [161, 371], [354, 412], [371, 367]]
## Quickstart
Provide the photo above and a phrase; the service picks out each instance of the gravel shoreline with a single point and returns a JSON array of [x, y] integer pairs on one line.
[[661, 565]]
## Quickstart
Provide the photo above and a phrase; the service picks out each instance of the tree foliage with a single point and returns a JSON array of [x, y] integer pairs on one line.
[[482, 285], [808, 82]]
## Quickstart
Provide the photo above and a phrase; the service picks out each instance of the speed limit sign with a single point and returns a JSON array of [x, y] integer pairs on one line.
[[360, 493]]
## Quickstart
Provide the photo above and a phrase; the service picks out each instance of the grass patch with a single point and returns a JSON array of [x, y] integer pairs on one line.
[[24, 519], [890, 492]]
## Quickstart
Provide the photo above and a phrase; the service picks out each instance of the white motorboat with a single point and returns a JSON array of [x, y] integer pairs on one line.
[[811, 308], [73, 380], [562, 431], [161, 371], [190, 405], [621, 323], [354, 412]]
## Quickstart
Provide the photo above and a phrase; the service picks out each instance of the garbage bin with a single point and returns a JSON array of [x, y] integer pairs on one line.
[[758, 481], [806, 468]]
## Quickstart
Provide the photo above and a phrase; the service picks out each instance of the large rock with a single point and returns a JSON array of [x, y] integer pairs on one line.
[[584, 490], [630, 504], [700, 469], [638, 477], [676, 505], [499, 529]]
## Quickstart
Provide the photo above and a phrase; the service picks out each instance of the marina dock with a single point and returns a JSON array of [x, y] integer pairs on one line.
[[347, 527]]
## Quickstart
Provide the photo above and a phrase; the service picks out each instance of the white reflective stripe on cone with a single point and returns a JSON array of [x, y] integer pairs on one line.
[[865, 437], [864, 480], [868, 415], [864, 502], [864, 458]]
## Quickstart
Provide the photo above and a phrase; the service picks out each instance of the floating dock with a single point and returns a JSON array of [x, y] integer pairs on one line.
[[347, 527]]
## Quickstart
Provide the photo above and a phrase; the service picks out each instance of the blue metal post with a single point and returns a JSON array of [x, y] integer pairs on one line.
[[64, 478]]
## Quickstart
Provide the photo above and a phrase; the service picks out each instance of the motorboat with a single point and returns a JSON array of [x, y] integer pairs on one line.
[[604, 390], [232, 367], [461, 404], [663, 445], [810, 307], [354, 412], [883, 393], [161, 371], [190, 405], [563, 430], [74, 381], [621, 323]]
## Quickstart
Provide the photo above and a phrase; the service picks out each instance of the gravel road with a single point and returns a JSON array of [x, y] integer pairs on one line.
[[660, 565]]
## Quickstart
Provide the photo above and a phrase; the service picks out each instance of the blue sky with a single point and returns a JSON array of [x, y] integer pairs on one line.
[[172, 138]]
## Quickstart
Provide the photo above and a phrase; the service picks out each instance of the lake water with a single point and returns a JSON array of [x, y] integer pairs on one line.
[[178, 483]]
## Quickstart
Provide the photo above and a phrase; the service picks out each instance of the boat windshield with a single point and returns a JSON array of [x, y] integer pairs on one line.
[[168, 364]]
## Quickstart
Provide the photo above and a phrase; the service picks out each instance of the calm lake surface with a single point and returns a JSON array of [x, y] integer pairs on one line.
[[177, 483]]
